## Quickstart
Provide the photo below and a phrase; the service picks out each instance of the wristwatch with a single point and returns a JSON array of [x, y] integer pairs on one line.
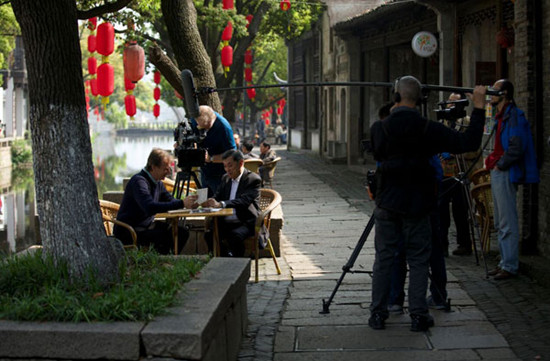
[[223, 204]]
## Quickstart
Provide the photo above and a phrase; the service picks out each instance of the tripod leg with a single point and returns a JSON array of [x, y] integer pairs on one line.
[[349, 264]]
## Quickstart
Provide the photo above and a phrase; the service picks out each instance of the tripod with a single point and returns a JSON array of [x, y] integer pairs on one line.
[[183, 180], [351, 261]]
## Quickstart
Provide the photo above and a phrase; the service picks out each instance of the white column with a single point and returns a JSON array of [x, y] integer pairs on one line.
[[9, 220], [19, 115], [8, 109]]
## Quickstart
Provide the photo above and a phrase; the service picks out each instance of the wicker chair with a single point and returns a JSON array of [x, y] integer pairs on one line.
[[253, 164], [269, 172], [109, 212], [481, 194], [269, 200], [481, 175]]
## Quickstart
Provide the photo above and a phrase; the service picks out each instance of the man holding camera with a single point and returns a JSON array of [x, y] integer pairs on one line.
[[403, 145], [219, 138]]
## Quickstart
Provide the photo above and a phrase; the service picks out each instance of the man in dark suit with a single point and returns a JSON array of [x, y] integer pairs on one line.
[[240, 190]]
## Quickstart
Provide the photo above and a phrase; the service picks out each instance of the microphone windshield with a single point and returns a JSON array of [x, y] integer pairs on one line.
[[189, 94]]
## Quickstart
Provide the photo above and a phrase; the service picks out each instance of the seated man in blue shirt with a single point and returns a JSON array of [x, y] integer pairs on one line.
[[145, 196]]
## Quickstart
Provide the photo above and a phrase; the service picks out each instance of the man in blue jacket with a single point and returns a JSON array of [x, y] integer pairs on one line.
[[512, 162], [219, 138]]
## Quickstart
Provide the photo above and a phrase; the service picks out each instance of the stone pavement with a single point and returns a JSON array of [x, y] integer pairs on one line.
[[325, 211]]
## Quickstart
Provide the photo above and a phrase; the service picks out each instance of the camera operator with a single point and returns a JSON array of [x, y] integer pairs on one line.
[[452, 192], [219, 138], [403, 144]]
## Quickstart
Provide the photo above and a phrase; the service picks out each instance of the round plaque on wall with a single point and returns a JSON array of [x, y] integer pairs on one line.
[[424, 44]]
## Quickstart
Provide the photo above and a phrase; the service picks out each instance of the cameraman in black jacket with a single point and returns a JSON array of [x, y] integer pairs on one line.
[[403, 144]]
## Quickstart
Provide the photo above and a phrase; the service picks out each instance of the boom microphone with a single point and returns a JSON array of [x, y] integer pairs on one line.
[[189, 94]]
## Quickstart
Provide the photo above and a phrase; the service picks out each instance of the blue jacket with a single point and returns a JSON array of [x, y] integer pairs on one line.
[[519, 151]]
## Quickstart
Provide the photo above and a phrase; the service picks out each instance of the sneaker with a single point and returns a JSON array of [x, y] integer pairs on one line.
[[462, 251], [421, 323], [434, 305], [395, 309], [377, 321]]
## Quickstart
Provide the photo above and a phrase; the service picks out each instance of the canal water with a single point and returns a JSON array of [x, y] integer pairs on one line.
[[114, 158]]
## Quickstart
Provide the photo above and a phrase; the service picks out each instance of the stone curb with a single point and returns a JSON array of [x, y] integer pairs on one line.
[[209, 325]]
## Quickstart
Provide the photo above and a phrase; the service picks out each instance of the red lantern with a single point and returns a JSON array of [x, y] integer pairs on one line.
[[93, 87], [251, 93], [105, 39], [248, 57], [92, 65], [227, 56], [156, 93], [280, 111], [156, 110], [134, 62], [156, 77], [285, 5], [227, 32], [105, 79], [92, 23], [228, 4], [248, 75], [92, 43], [128, 84], [249, 18], [130, 104]]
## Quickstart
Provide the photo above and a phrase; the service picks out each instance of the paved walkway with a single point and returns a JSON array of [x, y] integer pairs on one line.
[[325, 211]]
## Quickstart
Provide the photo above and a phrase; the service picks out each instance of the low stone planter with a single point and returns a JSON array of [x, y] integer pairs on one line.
[[208, 324]]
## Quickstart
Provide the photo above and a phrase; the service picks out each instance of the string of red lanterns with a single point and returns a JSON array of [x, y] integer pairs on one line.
[[156, 94], [251, 92], [105, 72], [227, 50], [134, 69]]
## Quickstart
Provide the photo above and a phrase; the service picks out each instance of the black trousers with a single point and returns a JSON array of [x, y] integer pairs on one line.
[[453, 193], [158, 236], [232, 236]]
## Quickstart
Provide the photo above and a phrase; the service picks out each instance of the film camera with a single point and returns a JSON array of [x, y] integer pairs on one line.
[[451, 110], [188, 150]]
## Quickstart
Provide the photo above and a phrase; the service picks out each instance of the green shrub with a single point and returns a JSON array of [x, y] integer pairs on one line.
[[33, 289], [21, 152]]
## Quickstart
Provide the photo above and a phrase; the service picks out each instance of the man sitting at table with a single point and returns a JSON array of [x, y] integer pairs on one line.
[[145, 196], [239, 189]]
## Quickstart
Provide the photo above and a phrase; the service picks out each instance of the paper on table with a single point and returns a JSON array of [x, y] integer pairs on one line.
[[202, 195]]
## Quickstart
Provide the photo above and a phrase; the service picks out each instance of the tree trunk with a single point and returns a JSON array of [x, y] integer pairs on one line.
[[181, 21], [70, 222]]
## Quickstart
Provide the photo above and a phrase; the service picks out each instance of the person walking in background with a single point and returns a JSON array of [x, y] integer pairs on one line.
[[512, 162]]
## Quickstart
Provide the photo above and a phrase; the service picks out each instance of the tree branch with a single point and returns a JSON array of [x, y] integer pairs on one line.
[[102, 9], [166, 67]]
